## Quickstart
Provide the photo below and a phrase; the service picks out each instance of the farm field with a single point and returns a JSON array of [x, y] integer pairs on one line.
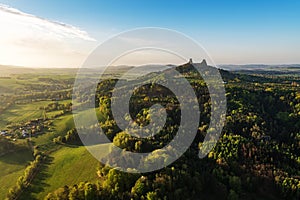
[[12, 165], [70, 165], [23, 112]]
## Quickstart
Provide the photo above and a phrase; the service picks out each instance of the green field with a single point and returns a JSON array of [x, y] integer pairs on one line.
[[9, 85], [12, 166], [23, 112], [69, 166]]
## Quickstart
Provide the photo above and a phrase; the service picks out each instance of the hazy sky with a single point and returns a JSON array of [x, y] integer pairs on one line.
[[62, 33]]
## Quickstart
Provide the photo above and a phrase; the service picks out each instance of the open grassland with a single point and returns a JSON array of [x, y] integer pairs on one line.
[[12, 166], [68, 166], [9, 85], [23, 112]]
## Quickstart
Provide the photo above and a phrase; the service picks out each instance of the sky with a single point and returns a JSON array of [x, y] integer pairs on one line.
[[63, 33]]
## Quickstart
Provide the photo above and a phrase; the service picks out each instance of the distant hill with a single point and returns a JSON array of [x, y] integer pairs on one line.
[[6, 71], [285, 69], [11, 70], [260, 67]]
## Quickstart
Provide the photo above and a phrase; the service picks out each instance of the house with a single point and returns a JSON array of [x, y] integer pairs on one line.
[[3, 133], [294, 84], [24, 133]]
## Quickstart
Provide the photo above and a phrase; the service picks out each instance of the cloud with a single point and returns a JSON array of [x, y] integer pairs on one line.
[[58, 28], [30, 40]]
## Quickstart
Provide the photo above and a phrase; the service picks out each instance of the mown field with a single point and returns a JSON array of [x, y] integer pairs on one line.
[[69, 165], [22, 113], [66, 164], [12, 166]]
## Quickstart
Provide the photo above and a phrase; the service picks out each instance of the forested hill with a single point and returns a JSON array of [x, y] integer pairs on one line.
[[257, 156]]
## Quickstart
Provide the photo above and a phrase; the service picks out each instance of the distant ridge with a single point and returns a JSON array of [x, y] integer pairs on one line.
[[8, 70], [234, 67], [15, 70]]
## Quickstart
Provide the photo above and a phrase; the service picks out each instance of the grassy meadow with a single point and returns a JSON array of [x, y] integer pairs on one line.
[[12, 165]]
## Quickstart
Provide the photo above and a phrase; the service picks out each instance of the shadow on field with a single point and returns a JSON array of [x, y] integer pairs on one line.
[[19, 157]]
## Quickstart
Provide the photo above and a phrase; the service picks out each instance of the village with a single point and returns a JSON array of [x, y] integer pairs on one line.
[[26, 130], [36, 126]]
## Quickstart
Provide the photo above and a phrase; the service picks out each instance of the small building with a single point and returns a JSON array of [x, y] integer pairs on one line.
[[294, 84], [24, 133], [3, 133]]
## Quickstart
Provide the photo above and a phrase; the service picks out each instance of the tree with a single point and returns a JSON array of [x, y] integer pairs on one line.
[[50, 196], [74, 193], [152, 196], [140, 187], [12, 194], [89, 191], [233, 195], [235, 183], [118, 184], [124, 141], [62, 193]]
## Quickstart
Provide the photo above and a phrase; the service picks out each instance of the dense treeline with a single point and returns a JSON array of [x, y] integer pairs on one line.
[[71, 137], [55, 106]]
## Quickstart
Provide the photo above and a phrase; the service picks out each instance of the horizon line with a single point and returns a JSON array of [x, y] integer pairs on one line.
[[125, 65]]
